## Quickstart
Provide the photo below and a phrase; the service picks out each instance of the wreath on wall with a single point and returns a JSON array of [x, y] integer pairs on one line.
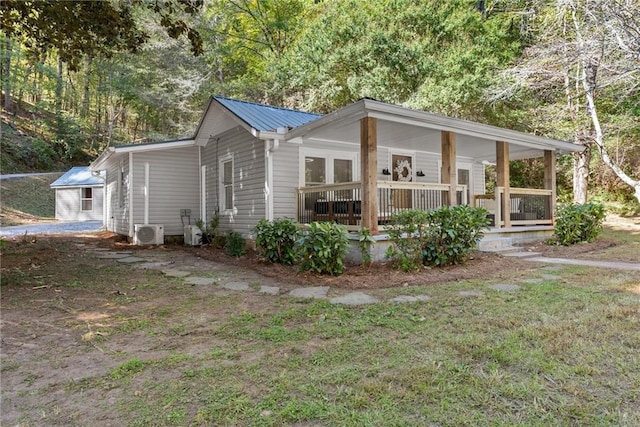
[[403, 169]]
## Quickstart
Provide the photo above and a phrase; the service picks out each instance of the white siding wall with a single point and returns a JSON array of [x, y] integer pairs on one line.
[[248, 177], [69, 204], [174, 183], [117, 214], [286, 161]]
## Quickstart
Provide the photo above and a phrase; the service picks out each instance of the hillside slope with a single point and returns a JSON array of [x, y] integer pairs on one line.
[[26, 200]]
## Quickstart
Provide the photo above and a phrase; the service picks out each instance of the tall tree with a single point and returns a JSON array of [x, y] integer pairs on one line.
[[587, 52]]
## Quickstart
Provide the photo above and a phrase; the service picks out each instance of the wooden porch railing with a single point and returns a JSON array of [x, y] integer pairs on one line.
[[527, 206], [341, 203]]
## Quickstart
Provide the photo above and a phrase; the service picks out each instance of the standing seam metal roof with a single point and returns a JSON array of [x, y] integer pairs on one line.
[[263, 117], [78, 176]]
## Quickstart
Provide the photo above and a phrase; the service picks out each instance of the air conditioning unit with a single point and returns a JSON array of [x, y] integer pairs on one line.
[[147, 234], [192, 235]]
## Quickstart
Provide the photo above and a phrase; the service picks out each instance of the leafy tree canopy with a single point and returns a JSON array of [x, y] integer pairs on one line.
[[77, 28]]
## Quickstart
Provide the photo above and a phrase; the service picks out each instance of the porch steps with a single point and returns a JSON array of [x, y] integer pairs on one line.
[[497, 244]]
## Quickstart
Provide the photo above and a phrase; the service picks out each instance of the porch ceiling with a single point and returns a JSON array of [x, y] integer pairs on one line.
[[418, 138]]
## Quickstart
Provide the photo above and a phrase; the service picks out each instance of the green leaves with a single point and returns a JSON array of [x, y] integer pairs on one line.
[[577, 223], [441, 237], [276, 240], [323, 247]]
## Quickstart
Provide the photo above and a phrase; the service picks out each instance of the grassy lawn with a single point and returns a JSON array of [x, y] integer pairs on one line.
[[27, 199], [139, 348]]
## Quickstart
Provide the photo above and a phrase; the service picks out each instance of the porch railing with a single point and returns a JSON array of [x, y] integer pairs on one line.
[[528, 206], [342, 203]]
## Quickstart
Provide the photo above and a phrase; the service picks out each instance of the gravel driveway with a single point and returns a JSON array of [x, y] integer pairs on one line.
[[51, 228]]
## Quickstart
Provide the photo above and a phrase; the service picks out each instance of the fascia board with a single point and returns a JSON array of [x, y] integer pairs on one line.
[[352, 112], [399, 114], [98, 163]]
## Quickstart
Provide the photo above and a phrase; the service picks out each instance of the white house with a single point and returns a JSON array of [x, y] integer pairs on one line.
[[79, 195], [356, 166]]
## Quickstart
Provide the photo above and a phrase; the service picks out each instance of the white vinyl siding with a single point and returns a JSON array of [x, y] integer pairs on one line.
[[70, 204], [174, 182], [248, 180]]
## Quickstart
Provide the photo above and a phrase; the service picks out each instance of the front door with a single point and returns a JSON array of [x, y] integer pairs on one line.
[[402, 172]]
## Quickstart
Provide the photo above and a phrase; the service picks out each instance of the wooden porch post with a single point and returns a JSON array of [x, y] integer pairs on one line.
[[502, 172], [369, 168], [550, 181], [449, 176]]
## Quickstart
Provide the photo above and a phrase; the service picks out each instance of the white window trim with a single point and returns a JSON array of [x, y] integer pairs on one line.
[[329, 157], [83, 199], [224, 209]]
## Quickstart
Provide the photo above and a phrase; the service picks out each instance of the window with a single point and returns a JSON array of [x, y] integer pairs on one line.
[[87, 199], [226, 183]]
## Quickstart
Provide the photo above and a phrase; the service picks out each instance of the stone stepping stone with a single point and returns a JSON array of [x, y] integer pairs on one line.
[[236, 286], [470, 293], [100, 249], [505, 287], [269, 290], [533, 280], [172, 272], [354, 298], [131, 259], [205, 281], [113, 255], [549, 277], [152, 265], [411, 298], [316, 292]]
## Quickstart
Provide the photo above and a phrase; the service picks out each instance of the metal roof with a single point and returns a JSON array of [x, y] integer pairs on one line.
[[263, 117], [78, 176]]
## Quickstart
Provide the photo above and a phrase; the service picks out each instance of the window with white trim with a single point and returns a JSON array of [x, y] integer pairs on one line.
[[87, 198], [226, 184]]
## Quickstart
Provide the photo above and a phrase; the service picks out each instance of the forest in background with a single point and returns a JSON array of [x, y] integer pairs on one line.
[[80, 76]]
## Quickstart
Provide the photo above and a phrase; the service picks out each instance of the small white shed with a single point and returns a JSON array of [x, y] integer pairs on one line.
[[79, 195]]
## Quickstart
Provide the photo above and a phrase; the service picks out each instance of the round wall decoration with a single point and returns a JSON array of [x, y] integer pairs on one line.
[[403, 169]]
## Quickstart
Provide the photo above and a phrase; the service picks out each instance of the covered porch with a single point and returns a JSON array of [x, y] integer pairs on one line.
[[388, 184]]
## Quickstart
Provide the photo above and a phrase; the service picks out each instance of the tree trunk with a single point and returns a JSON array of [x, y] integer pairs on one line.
[[581, 175], [84, 111], [59, 87], [6, 74]]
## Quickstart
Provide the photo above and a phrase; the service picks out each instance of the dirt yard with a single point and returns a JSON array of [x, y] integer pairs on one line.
[[69, 317]]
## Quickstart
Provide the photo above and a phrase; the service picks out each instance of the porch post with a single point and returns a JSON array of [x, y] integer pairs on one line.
[[502, 172], [550, 181], [369, 170], [449, 176]]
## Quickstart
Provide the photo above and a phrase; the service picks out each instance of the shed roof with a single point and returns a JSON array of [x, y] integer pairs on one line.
[[77, 176], [262, 117]]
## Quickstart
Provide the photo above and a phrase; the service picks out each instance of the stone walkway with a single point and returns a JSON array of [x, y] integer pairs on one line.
[[321, 292]]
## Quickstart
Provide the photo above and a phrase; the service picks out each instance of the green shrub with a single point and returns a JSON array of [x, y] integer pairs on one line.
[[578, 223], [234, 244], [453, 233], [208, 231], [441, 237], [365, 241], [407, 232], [323, 248], [276, 240]]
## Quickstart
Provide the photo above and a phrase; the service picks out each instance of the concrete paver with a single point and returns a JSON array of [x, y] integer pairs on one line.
[[588, 263], [269, 290], [316, 292], [354, 298], [236, 286], [131, 259], [205, 281], [411, 298], [470, 293], [503, 287]]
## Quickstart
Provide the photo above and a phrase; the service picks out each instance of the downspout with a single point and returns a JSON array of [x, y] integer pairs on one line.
[[146, 193], [271, 145], [131, 194]]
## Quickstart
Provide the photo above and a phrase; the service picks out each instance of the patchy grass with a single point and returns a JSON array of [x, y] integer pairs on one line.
[[562, 350], [27, 200]]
